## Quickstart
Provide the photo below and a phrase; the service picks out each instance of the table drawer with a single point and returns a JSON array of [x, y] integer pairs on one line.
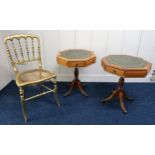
[[76, 63], [114, 71]]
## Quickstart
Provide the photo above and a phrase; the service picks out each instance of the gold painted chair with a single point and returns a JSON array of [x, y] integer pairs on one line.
[[24, 49]]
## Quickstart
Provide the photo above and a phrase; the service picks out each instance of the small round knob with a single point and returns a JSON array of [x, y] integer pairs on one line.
[[114, 71]]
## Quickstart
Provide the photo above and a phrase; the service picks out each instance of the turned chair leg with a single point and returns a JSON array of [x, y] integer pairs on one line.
[[56, 93], [23, 104]]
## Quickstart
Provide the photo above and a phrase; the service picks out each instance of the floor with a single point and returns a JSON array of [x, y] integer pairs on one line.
[[77, 109]]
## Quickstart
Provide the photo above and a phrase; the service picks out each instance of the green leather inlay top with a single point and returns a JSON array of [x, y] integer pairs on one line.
[[76, 54], [126, 61]]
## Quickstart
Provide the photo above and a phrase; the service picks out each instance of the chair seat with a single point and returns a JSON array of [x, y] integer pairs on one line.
[[33, 76]]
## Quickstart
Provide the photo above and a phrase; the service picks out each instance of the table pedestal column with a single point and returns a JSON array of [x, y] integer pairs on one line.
[[76, 83], [120, 93]]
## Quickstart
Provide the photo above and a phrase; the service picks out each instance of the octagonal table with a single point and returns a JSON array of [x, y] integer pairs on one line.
[[76, 58], [124, 66]]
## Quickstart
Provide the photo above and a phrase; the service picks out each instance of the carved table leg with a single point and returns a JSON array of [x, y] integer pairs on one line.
[[76, 83], [121, 101], [109, 97], [71, 88], [128, 98], [120, 93]]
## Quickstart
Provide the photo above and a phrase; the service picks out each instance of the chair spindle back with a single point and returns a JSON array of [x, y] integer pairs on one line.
[[23, 49]]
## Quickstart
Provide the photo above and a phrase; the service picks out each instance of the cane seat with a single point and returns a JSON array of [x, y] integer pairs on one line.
[[33, 76]]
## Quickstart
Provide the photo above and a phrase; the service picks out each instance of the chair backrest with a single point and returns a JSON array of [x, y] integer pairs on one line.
[[22, 49]]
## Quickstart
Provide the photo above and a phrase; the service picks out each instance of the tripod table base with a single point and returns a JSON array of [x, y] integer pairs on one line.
[[120, 93]]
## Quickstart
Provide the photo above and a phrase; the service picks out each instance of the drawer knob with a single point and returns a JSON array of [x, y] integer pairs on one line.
[[114, 71]]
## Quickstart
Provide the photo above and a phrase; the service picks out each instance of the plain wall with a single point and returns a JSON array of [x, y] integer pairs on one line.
[[5, 67], [102, 42]]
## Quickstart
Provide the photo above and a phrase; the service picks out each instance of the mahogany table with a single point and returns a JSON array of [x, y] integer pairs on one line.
[[124, 66], [76, 58]]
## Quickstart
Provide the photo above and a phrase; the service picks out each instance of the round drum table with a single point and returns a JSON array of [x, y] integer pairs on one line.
[[124, 66], [76, 58]]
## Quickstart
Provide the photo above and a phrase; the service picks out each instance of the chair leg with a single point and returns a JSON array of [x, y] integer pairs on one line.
[[56, 93], [23, 104]]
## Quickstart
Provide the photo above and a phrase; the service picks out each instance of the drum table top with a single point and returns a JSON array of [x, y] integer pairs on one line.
[[76, 57], [126, 65]]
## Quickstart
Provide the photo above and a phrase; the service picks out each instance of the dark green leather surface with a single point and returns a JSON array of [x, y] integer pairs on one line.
[[76, 54], [126, 61]]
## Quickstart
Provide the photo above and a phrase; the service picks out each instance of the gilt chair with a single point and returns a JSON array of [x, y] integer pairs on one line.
[[24, 49]]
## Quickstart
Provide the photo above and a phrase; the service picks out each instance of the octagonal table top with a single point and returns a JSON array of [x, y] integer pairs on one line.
[[76, 54], [126, 65], [76, 57]]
